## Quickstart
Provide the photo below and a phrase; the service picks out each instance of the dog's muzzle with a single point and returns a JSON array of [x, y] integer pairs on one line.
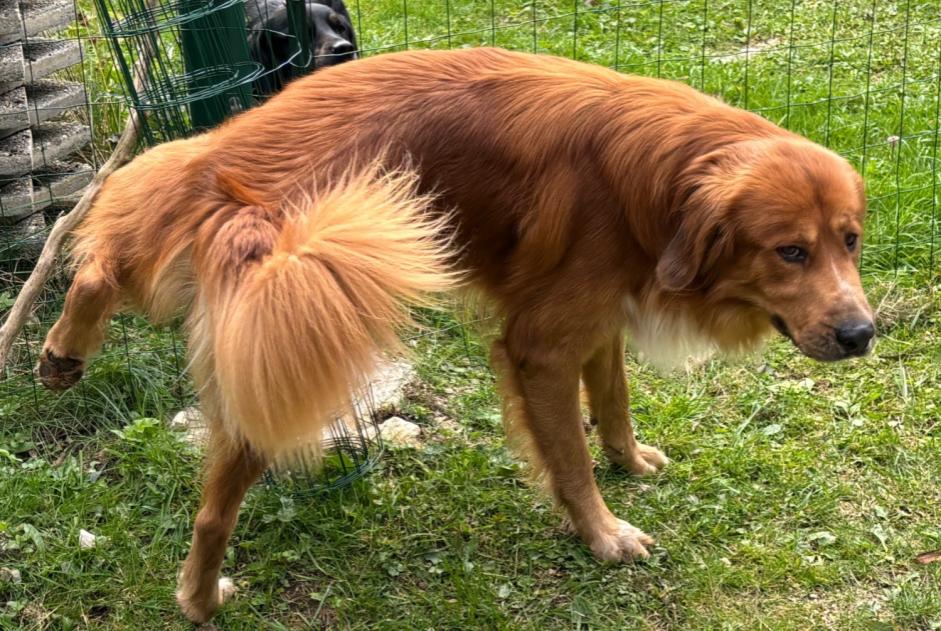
[[336, 53]]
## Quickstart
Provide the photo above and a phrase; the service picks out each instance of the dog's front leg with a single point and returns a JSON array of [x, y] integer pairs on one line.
[[546, 384], [608, 398]]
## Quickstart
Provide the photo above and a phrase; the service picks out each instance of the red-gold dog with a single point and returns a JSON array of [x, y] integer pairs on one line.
[[580, 200]]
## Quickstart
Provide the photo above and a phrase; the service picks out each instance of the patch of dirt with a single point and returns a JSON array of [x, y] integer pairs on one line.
[[99, 612], [35, 615], [896, 307], [754, 48], [308, 612]]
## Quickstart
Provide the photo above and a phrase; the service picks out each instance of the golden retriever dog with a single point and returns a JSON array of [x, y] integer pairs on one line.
[[581, 201]]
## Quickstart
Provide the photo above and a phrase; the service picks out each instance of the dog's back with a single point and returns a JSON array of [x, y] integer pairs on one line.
[[489, 119]]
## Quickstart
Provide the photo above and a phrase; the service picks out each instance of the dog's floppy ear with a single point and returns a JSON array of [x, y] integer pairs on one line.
[[704, 202], [339, 7]]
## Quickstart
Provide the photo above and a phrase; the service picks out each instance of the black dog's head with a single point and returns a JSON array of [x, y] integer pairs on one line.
[[330, 37]]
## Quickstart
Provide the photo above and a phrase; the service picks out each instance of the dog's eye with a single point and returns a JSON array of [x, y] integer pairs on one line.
[[792, 253], [851, 240]]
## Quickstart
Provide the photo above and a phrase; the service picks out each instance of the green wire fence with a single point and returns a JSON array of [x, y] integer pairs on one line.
[[199, 68], [859, 76]]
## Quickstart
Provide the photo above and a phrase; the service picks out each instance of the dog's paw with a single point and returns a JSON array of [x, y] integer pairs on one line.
[[642, 460], [200, 610], [59, 373], [620, 542]]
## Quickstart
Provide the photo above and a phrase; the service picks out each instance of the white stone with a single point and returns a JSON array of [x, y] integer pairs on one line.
[[190, 421], [86, 540], [10, 575], [386, 386], [186, 417], [398, 431], [385, 390]]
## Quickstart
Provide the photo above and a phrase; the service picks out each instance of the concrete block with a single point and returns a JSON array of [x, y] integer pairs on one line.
[[16, 154], [11, 65], [54, 141], [19, 199], [46, 15], [11, 21], [42, 57], [64, 182]]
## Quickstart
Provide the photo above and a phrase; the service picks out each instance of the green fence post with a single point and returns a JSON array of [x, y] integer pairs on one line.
[[297, 24], [212, 43]]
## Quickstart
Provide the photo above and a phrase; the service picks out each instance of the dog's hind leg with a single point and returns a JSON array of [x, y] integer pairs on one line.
[[609, 401], [80, 330], [230, 470]]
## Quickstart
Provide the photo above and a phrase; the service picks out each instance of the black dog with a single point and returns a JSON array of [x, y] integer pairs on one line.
[[330, 37]]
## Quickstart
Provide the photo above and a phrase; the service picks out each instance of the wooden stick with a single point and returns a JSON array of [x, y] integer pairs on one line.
[[123, 152]]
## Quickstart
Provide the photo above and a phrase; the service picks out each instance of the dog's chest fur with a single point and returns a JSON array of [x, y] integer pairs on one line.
[[666, 338], [670, 334]]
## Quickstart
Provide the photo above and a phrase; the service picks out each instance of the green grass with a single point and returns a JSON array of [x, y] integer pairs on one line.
[[799, 494]]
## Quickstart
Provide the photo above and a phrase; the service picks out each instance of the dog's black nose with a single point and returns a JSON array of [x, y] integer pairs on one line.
[[342, 47], [854, 337]]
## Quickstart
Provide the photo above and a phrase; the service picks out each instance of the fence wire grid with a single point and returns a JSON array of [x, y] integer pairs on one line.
[[862, 77]]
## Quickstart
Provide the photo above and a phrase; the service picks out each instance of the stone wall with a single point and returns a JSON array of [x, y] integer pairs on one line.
[[39, 132]]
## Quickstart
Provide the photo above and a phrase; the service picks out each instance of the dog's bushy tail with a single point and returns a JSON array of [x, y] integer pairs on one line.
[[299, 309]]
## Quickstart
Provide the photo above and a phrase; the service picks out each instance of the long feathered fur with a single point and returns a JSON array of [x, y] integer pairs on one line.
[[296, 331], [289, 301]]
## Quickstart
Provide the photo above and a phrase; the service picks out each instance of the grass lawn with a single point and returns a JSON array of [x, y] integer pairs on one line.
[[799, 496]]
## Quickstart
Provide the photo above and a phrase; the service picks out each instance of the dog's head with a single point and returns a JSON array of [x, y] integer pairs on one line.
[[329, 31], [332, 36], [776, 226]]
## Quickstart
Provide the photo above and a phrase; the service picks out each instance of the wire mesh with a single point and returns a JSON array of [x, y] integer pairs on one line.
[[199, 70], [47, 156], [860, 76], [350, 448]]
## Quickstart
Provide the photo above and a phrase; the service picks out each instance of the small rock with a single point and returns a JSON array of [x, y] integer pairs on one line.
[[397, 431], [10, 575], [386, 387], [186, 417], [191, 422], [766, 369], [86, 540]]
